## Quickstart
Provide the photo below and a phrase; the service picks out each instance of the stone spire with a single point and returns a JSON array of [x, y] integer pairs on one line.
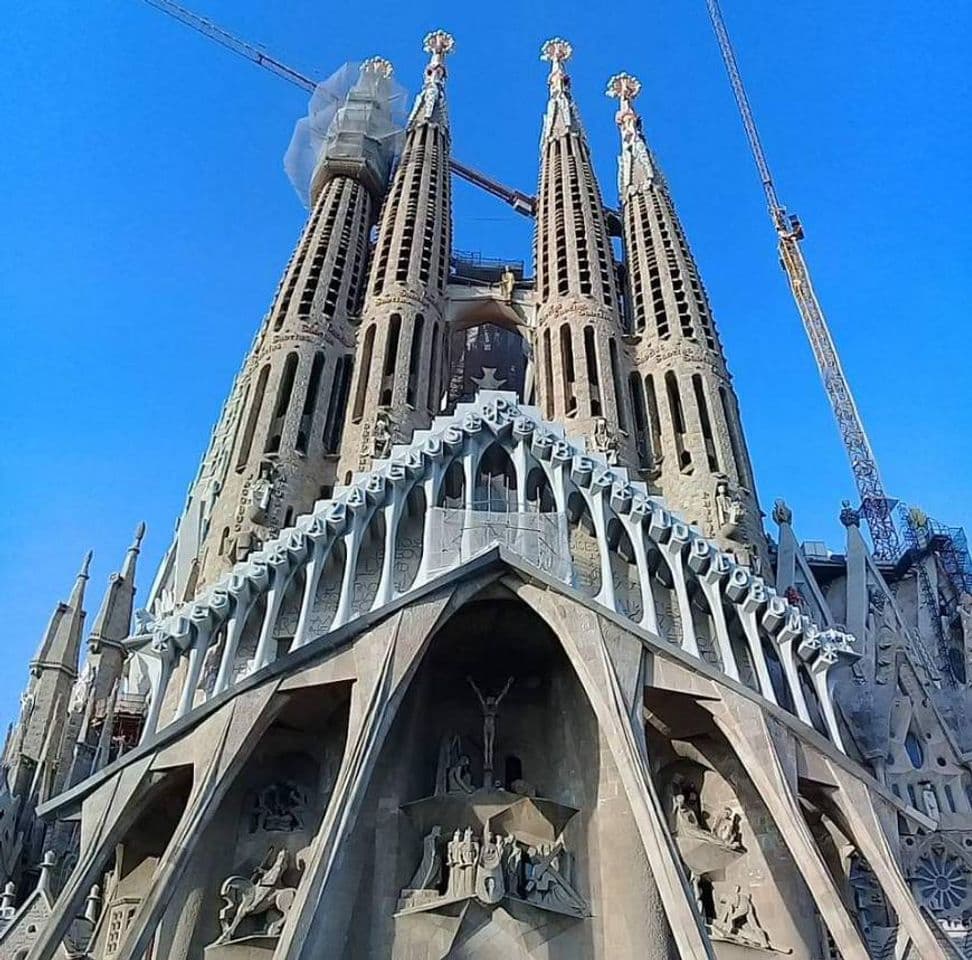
[[61, 644], [114, 618], [581, 361], [37, 735], [398, 377], [275, 450], [685, 409]]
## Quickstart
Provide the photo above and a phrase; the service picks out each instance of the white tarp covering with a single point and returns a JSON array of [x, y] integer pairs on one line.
[[330, 112]]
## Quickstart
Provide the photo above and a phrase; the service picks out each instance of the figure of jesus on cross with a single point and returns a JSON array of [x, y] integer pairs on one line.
[[490, 704]]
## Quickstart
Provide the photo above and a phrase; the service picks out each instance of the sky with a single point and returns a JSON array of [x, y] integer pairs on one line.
[[145, 219]]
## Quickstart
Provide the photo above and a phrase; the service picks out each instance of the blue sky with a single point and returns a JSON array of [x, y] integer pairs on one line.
[[146, 219]]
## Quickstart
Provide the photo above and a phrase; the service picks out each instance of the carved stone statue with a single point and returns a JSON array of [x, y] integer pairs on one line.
[[278, 807], [782, 513], [490, 878], [685, 807], [429, 873], [730, 510], [490, 867], [737, 921], [726, 828], [507, 283], [930, 800], [263, 900], [261, 492], [453, 774], [490, 704], [605, 441], [381, 438], [546, 884]]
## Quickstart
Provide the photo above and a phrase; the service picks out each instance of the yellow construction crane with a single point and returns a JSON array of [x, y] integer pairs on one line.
[[876, 507]]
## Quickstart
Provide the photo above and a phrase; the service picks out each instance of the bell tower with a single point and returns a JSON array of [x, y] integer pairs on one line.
[[684, 403], [580, 356], [398, 378]]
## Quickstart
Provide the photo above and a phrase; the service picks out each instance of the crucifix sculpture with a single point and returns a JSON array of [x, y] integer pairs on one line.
[[490, 704]]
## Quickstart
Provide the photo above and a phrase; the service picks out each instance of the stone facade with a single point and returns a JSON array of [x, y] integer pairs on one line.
[[513, 675]]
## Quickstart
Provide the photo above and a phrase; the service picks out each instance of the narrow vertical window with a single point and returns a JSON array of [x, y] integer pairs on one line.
[[618, 383], [433, 369], [590, 358], [414, 358], [337, 405], [363, 373], [391, 353], [284, 392], [548, 375], [654, 420], [678, 421], [310, 402], [640, 419], [252, 418], [743, 471], [705, 423], [567, 370]]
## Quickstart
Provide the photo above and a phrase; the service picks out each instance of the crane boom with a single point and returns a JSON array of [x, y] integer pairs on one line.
[[875, 505], [521, 202]]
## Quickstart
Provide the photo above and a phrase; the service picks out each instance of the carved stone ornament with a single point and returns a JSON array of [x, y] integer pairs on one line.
[[490, 867], [604, 441], [782, 513], [737, 922], [279, 807], [257, 906], [730, 510]]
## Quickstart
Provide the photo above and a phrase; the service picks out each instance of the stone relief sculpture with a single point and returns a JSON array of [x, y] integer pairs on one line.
[[490, 704], [730, 510], [381, 438], [737, 921], [690, 821], [278, 808], [605, 441], [453, 774], [490, 867], [256, 906]]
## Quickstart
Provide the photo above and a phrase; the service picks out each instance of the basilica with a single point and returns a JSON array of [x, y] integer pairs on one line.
[[473, 639]]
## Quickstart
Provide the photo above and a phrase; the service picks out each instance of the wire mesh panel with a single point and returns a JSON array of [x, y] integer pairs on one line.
[[539, 538]]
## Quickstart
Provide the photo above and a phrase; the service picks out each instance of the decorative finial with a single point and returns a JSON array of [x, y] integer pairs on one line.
[[46, 868], [85, 565], [557, 52], [139, 534], [439, 45], [624, 88], [781, 512], [92, 906], [378, 66], [849, 517]]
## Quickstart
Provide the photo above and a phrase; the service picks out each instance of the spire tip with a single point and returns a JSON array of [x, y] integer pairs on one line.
[[85, 565], [139, 534], [378, 66]]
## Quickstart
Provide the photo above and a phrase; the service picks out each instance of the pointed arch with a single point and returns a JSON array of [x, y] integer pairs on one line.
[[624, 570], [539, 494], [496, 483], [371, 558], [585, 553], [452, 489], [409, 539]]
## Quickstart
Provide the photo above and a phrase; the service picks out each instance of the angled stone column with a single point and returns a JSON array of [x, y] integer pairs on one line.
[[579, 632], [242, 723], [745, 726]]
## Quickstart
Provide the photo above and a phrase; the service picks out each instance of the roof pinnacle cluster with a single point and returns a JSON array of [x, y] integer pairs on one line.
[[635, 165], [430, 103], [377, 65]]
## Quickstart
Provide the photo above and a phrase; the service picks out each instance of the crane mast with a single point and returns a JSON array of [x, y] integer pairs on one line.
[[875, 505], [521, 202]]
